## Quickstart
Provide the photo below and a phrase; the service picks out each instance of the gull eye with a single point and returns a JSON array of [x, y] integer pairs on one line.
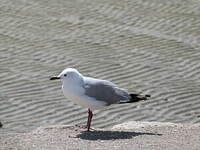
[[65, 75]]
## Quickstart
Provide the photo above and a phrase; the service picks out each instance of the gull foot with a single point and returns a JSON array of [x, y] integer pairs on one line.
[[84, 128]]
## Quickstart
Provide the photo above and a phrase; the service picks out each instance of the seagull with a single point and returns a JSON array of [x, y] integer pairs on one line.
[[93, 93]]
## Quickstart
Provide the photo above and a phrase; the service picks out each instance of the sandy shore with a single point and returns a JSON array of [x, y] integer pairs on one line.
[[152, 47], [131, 135]]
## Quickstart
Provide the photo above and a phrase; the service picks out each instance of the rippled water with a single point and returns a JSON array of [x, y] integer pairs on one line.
[[145, 46]]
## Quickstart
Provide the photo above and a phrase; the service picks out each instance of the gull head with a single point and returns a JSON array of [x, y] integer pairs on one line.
[[69, 75]]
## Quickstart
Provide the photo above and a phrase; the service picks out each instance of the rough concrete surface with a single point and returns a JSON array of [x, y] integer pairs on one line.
[[131, 135]]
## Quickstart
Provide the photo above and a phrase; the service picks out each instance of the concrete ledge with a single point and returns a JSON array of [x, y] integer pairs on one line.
[[137, 125], [130, 135]]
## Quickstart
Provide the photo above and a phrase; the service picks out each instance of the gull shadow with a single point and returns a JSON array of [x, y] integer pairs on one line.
[[112, 135]]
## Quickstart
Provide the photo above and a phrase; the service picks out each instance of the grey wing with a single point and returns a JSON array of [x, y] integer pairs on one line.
[[105, 91]]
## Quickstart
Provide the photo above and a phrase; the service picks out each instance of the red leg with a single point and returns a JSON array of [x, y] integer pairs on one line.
[[89, 119]]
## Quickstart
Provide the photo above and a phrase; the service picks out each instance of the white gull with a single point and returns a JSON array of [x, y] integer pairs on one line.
[[93, 93]]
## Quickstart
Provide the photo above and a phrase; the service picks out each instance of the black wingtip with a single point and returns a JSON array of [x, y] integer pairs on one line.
[[147, 95], [138, 97]]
